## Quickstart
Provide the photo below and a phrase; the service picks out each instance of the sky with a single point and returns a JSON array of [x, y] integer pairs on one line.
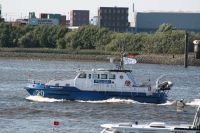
[[12, 9]]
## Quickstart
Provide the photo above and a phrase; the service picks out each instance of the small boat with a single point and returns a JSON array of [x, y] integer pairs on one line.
[[102, 84], [154, 127]]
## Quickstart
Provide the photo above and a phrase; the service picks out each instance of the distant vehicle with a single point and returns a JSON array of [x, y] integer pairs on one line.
[[154, 127], [102, 84]]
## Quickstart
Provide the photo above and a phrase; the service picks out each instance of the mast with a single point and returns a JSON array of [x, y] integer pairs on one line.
[[121, 65]]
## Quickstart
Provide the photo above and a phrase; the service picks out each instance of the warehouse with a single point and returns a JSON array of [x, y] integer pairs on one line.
[[150, 21]]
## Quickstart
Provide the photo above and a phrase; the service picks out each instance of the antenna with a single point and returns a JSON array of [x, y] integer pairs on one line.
[[121, 65]]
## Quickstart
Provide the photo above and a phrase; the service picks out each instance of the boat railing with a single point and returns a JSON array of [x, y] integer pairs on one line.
[[33, 81], [196, 122]]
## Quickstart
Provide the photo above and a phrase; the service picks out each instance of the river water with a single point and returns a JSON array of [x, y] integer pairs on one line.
[[21, 113]]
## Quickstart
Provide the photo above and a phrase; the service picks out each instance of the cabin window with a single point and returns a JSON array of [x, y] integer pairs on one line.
[[111, 76], [96, 76], [104, 76], [89, 76], [82, 75], [121, 76]]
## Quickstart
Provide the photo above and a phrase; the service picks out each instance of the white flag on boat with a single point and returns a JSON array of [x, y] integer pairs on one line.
[[129, 60]]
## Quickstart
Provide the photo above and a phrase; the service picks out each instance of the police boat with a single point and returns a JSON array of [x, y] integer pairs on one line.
[[102, 84], [154, 127]]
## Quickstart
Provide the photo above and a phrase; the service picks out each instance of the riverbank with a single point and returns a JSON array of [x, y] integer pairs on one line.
[[169, 59]]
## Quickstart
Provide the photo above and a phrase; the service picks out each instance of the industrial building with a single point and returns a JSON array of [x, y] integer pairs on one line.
[[47, 19], [0, 10], [79, 17], [20, 22], [1, 19], [39, 21], [113, 18], [63, 21], [150, 21]]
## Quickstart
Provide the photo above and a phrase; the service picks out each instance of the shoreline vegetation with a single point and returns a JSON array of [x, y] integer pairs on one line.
[[93, 55], [164, 46]]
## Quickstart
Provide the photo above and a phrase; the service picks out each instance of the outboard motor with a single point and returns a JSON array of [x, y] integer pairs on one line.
[[166, 85]]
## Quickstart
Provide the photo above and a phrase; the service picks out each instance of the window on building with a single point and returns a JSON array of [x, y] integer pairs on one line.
[[113, 24], [118, 11]]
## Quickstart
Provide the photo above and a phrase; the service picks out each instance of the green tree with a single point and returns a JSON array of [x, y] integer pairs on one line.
[[165, 27], [6, 35], [28, 41]]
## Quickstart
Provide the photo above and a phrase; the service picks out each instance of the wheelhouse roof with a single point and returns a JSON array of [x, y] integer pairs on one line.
[[109, 70]]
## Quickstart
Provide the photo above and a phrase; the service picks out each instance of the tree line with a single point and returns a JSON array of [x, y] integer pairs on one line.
[[165, 40]]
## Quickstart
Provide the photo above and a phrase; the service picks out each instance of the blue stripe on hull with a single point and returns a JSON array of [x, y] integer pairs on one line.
[[73, 93]]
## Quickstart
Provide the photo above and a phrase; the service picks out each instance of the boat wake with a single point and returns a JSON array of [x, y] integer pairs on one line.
[[111, 100], [168, 103], [195, 102], [43, 99]]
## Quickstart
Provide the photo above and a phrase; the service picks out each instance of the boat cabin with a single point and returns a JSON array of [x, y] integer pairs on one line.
[[98, 79]]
